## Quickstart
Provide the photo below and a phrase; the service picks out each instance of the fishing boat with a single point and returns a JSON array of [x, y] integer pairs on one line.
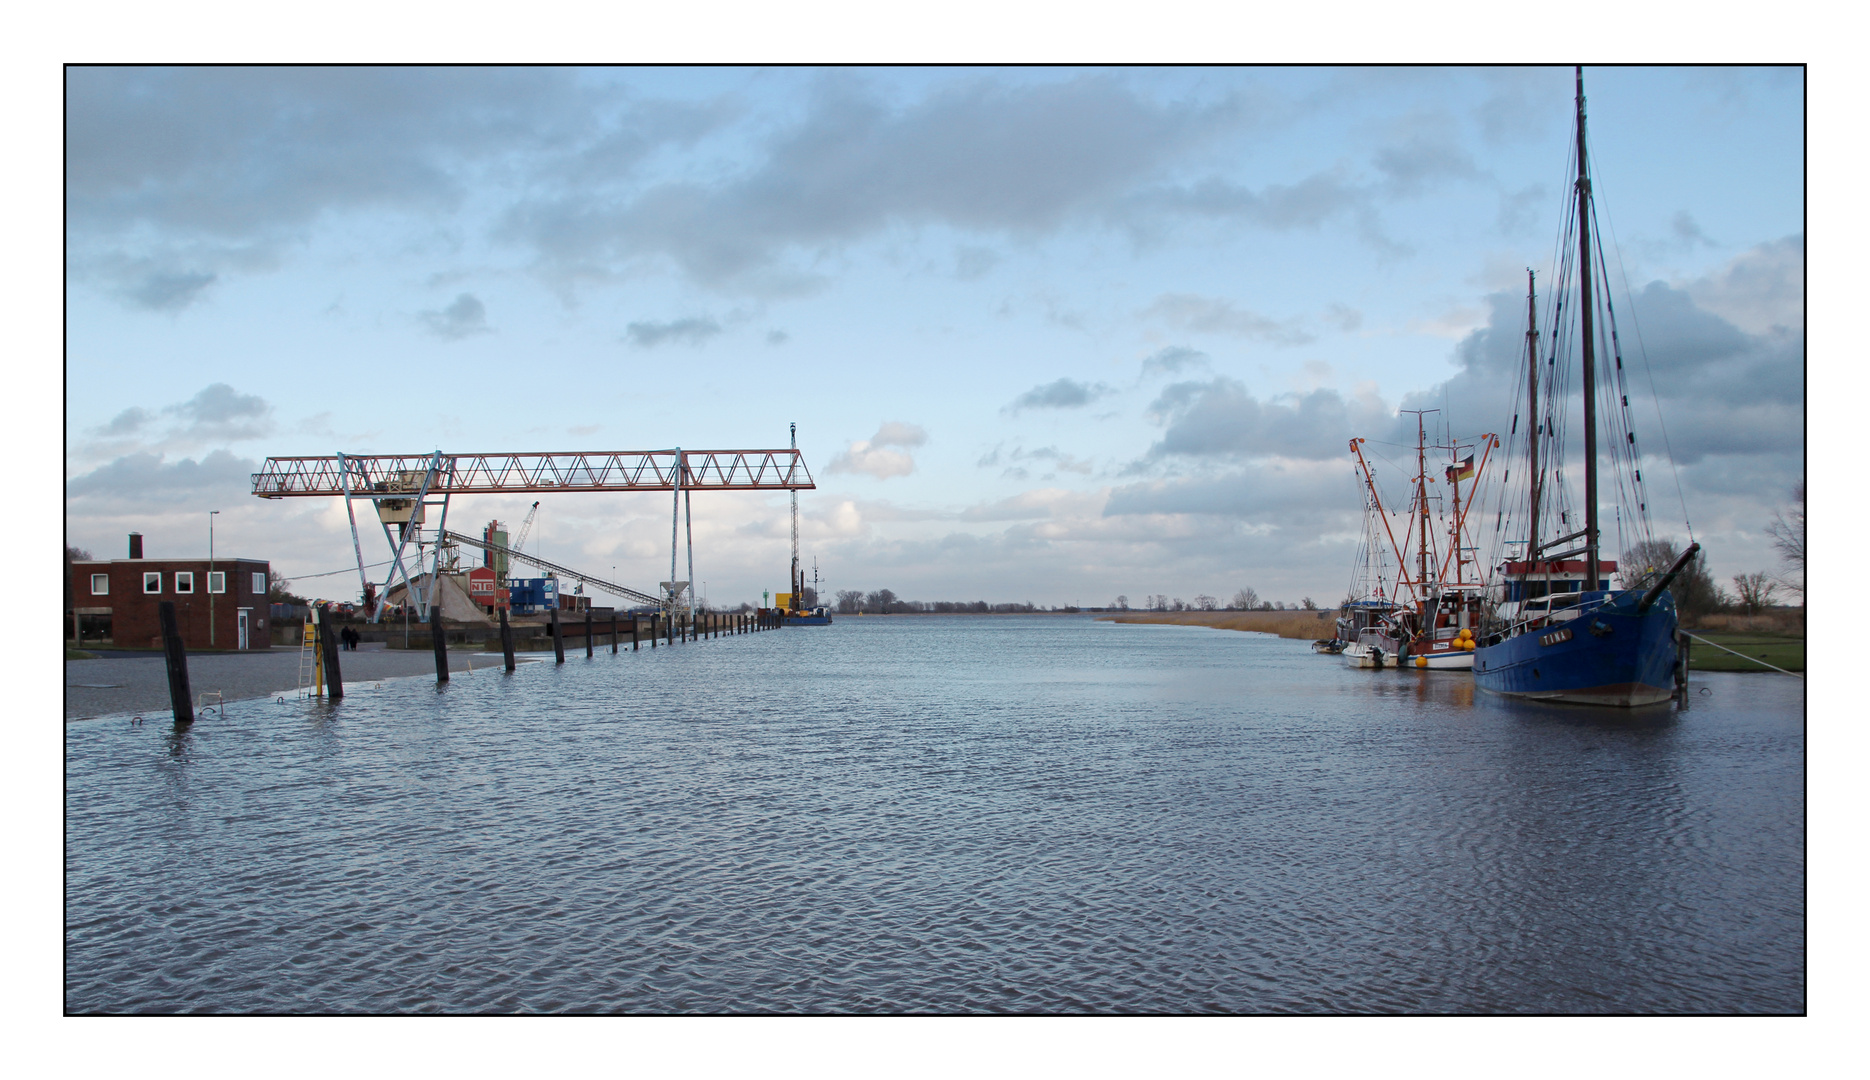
[[1559, 631], [1453, 599], [1370, 630]]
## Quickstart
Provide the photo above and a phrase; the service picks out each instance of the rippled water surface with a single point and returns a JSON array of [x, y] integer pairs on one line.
[[943, 814]]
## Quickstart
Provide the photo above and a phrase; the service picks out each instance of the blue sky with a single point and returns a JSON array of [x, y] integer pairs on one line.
[[1049, 334]]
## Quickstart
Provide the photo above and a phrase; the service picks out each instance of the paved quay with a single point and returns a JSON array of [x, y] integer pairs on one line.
[[113, 685]]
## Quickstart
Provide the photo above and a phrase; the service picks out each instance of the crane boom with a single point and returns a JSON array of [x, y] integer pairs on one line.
[[526, 526], [502, 474], [562, 571]]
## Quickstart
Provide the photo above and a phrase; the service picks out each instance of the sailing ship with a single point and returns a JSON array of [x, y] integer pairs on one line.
[[1559, 631]]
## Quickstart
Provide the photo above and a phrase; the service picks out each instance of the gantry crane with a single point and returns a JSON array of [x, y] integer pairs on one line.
[[401, 487]]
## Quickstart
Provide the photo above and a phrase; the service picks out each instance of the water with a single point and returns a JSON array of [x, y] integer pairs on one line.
[[943, 814]]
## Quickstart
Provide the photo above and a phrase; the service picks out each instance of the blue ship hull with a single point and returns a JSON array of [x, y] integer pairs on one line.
[[808, 620], [1608, 655]]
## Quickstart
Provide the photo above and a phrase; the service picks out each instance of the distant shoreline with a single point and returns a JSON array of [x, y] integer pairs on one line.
[[1300, 624]]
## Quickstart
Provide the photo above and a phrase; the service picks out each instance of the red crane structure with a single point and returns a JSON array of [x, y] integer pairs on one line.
[[402, 486]]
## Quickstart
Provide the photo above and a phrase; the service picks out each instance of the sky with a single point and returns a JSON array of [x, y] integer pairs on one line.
[[1050, 335]]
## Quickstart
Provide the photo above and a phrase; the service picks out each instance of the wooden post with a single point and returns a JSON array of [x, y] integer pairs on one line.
[[613, 631], [506, 639], [636, 641], [558, 638], [328, 641], [654, 631], [670, 629], [439, 638], [181, 702], [587, 633]]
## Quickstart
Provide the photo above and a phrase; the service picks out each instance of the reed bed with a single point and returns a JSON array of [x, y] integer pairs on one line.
[[1303, 625]]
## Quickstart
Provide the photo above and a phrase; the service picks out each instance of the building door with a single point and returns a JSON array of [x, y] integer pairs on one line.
[[241, 628]]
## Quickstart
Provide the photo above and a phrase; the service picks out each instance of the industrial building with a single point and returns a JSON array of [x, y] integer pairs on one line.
[[219, 603]]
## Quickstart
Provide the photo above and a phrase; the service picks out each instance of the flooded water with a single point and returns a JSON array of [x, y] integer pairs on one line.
[[943, 814]]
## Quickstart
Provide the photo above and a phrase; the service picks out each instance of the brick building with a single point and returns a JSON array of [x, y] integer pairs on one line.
[[115, 600]]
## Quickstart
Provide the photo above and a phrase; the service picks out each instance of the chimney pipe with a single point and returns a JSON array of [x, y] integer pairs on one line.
[[136, 545]]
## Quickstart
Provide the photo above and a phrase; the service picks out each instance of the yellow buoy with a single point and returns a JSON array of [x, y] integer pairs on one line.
[[1421, 661]]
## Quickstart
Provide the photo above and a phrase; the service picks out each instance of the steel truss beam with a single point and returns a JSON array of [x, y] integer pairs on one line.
[[499, 474]]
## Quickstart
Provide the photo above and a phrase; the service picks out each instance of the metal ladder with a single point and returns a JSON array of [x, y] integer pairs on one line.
[[309, 680]]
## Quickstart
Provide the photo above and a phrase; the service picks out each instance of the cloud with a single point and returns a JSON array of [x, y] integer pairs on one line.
[[465, 317], [777, 337], [150, 480], [972, 263], [221, 412], [871, 457], [1344, 317], [693, 331], [128, 422], [1211, 315], [168, 290], [1051, 456], [1761, 290], [1173, 360], [1062, 393], [1220, 418], [981, 155]]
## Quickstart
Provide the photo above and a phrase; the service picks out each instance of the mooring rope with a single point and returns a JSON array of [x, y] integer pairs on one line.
[[1743, 656]]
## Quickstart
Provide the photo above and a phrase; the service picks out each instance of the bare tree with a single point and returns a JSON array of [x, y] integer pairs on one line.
[[850, 601], [1788, 532], [1123, 603], [1755, 591], [1309, 605], [1205, 602], [1694, 591], [1244, 600]]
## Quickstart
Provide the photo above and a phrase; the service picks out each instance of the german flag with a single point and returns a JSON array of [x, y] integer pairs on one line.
[[1463, 471]]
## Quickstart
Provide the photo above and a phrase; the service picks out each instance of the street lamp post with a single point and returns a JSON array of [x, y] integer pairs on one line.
[[211, 514]]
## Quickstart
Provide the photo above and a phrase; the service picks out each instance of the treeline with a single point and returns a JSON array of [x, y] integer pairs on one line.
[[885, 602], [1244, 600]]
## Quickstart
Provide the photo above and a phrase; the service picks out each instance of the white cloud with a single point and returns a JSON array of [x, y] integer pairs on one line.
[[873, 456]]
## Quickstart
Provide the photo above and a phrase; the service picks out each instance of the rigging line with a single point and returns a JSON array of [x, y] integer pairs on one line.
[[333, 573], [1655, 396]]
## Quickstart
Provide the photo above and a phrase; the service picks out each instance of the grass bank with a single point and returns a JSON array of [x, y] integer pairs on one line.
[[1778, 650], [1304, 625]]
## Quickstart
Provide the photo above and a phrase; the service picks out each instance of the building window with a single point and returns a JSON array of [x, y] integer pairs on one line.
[[152, 581], [184, 581], [100, 584], [217, 581], [259, 584]]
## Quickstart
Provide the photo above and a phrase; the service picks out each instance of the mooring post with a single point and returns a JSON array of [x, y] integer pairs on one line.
[[558, 638], [506, 639], [635, 640], [587, 633], [654, 631], [671, 628], [180, 701], [328, 641], [439, 638], [613, 632]]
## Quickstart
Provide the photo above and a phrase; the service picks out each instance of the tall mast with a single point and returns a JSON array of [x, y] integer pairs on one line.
[[1454, 494], [797, 582], [1421, 524], [1421, 500], [1590, 368], [1532, 413]]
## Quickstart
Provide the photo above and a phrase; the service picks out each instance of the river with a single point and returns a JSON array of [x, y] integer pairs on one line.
[[944, 814]]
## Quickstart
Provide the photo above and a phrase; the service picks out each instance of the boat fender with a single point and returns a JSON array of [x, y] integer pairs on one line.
[[1421, 661], [1600, 628], [1376, 655]]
